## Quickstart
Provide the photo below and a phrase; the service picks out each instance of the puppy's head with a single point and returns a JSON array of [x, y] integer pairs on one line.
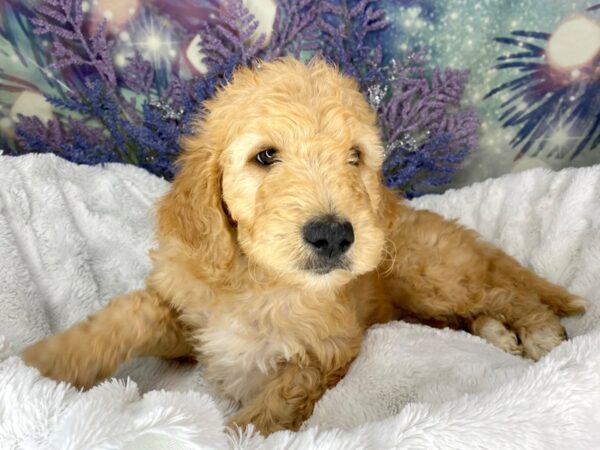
[[283, 170]]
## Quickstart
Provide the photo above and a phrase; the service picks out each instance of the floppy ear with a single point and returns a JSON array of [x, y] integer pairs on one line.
[[192, 212]]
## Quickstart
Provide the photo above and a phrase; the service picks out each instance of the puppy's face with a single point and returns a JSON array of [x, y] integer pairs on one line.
[[300, 172]]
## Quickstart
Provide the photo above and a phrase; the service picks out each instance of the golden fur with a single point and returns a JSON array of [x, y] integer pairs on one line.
[[229, 282]]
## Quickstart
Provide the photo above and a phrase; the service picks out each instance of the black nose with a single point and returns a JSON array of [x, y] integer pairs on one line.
[[329, 236]]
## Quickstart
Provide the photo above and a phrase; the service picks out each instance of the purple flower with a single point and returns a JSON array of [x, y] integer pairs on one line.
[[138, 113], [427, 134], [64, 20], [139, 74]]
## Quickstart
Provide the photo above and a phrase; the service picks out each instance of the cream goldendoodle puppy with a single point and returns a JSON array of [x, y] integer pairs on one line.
[[279, 245]]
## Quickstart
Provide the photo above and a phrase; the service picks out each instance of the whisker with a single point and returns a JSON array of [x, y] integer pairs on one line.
[[390, 257]]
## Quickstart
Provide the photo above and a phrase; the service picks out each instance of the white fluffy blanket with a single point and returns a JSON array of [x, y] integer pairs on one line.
[[73, 236]]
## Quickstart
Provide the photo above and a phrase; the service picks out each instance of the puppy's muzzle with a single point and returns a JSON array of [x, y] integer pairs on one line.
[[329, 237]]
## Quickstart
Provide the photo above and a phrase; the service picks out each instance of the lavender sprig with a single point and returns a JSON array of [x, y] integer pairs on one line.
[[426, 132], [344, 29], [139, 75], [64, 19], [233, 37], [294, 28]]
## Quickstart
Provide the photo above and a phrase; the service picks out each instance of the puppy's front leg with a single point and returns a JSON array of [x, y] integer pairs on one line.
[[136, 324], [289, 397], [448, 274]]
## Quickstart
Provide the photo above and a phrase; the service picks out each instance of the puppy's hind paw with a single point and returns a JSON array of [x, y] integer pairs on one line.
[[56, 359]]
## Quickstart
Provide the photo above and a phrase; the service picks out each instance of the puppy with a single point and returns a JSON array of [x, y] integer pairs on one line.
[[279, 245]]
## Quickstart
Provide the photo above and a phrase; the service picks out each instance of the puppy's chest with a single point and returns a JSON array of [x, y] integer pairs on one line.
[[244, 339]]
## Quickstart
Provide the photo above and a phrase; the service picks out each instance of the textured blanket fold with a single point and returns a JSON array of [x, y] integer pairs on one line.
[[71, 237]]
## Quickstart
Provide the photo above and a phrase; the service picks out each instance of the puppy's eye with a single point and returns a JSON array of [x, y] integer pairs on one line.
[[266, 157], [354, 156]]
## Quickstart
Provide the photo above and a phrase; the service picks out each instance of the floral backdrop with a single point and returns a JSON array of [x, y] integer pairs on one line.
[[463, 89]]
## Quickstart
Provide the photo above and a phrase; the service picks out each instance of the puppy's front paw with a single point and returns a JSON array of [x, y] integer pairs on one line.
[[537, 342], [496, 333], [532, 337], [61, 360]]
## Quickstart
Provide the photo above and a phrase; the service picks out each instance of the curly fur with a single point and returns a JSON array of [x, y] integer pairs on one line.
[[229, 282]]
